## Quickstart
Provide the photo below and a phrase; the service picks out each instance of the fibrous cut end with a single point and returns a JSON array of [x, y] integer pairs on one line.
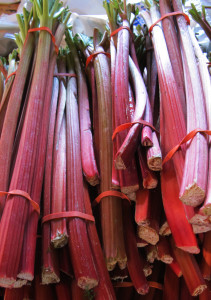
[[155, 163], [87, 283], [199, 290], [48, 276], [60, 240], [190, 249], [193, 195], [148, 234], [143, 290]]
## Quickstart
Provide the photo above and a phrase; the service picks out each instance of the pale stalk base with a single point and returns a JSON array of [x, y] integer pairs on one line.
[[49, 277]]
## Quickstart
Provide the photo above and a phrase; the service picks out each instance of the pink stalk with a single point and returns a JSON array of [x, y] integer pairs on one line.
[[193, 187], [171, 104], [128, 147], [173, 46], [149, 178], [59, 235], [150, 231], [79, 246], [50, 271]]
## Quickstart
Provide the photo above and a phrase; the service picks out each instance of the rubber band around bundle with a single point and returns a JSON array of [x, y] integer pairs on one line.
[[64, 74], [119, 29], [8, 77], [93, 55], [50, 32], [110, 193], [176, 13], [187, 138], [21, 193], [130, 124], [152, 284], [68, 214]]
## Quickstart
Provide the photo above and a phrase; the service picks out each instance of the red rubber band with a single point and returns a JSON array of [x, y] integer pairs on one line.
[[50, 32], [155, 285], [110, 193], [187, 138], [21, 193], [176, 13], [68, 214], [152, 284], [8, 77], [93, 55], [130, 124], [120, 28], [64, 74]]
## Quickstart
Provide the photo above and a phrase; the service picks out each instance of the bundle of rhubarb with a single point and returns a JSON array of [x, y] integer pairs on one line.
[[105, 181]]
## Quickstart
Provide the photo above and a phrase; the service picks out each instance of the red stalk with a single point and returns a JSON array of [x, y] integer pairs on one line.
[[89, 165], [135, 262], [104, 290], [150, 228], [111, 207], [176, 268], [190, 270], [43, 292], [171, 285], [79, 246], [206, 260], [149, 179], [64, 262], [16, 209], [164, 251], [6, 91], [11, 117], [50, 103], [63, 291]]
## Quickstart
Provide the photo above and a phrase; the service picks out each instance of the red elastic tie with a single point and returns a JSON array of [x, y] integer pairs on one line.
[[108, 194], [176, 13], [93, 55], [50, 32], [188, 137], [8, 77], [130, 124], [64, 74], [153, 284], [21, 193], [68, 214], [120, 28]]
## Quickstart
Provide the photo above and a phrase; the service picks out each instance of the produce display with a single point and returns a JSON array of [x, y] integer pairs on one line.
[[105, 156]]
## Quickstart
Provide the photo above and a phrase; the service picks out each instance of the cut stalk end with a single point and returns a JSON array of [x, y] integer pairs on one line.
[[60, 240], [148, 234], [155, 163], [87, 283], [48, 276], [193, 195]]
